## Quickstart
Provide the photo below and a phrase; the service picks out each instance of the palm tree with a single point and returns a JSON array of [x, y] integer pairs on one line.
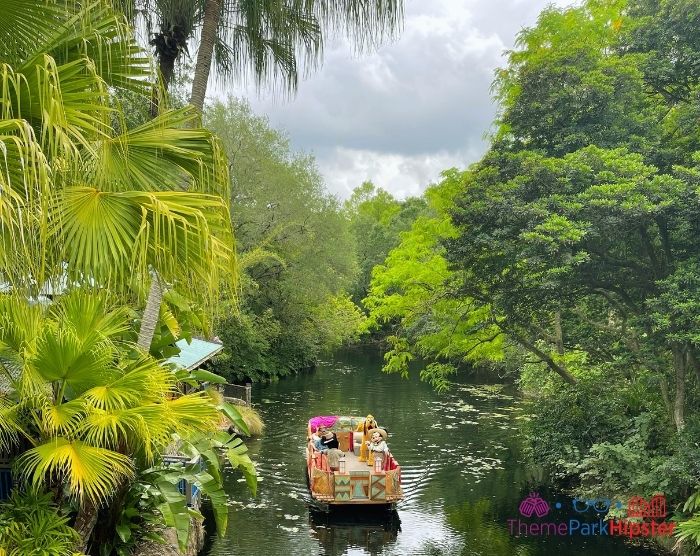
[[268, 40], [86, 203], [84, 411], [84, 199], [265, 39]]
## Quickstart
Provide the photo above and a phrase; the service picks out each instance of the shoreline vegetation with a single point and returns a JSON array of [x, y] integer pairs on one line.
[[567, 259]]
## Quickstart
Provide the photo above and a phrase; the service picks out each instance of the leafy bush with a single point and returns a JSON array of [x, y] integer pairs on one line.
[[137, 519], [609, 435], [568, 420], [31, 525]]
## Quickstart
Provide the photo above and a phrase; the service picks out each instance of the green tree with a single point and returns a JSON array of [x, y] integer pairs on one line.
[[417, 295], [377, 220], [295, 250], [563, 248], [565, 88], [665, 34]]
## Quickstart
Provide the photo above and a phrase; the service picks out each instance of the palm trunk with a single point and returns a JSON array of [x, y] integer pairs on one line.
[[150, 314], [85, 523], [212, 13]]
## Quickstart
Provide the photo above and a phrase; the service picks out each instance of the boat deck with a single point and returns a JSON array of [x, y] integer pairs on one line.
[[353, 463]]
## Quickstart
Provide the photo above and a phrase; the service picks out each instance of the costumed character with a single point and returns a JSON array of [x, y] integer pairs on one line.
[[317, 439], [367, 425], [377, 446], [329, 441]]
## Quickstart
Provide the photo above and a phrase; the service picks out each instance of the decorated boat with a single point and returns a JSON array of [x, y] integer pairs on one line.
[[349, 463]]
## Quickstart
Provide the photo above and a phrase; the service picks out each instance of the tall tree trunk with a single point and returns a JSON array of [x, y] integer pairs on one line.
[[558, 333], [679, 364], [212, 13], [85, 523], [150, 314]]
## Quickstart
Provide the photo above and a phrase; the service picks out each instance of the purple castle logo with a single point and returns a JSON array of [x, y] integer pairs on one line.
[[533, 504]]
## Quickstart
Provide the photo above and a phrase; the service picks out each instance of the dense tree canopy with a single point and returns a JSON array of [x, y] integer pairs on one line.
[[377, 220], [294, 246]]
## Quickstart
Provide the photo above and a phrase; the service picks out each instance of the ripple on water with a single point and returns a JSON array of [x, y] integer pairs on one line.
[[455, 450]]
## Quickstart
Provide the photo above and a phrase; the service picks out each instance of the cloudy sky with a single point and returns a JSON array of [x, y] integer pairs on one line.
[[413, 108]]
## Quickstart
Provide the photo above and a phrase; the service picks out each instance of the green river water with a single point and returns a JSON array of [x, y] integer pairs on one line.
[[460, 453]]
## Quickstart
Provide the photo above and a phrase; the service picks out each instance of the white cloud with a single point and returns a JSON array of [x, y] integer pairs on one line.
[[403, 175], [413, 108]]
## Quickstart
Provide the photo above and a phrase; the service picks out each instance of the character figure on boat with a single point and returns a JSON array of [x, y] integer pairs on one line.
[[349, 463]]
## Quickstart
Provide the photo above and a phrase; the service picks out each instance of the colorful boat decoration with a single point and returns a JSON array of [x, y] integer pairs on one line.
[[352, 465]]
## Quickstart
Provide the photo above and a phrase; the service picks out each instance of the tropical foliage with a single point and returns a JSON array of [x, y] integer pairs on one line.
[[377, 220], [270, 42], [414, 297], [91, 205], [84, 412], [292, 306], [87, 201], [32, 524]]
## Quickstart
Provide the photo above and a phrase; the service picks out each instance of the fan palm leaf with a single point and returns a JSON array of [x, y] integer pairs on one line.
[[62, 418], [11, 426], [88, 471], [163, 153], [118, 235]]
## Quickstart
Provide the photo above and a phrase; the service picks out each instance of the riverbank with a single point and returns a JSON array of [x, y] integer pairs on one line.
[[195, 542]]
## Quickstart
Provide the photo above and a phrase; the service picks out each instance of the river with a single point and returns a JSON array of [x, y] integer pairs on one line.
[[463, 474]]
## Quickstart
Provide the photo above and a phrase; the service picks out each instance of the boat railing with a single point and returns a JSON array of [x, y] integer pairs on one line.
[[331, 485]]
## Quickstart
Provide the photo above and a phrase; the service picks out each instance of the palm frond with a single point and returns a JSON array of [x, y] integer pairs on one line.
[[89, 316], [367, 23], [265, 40], [193, 412], [11, 427], [118, 235], [62, 418], [164, 154], [25, 24], [90, 472], [142, 380], [63, 357]]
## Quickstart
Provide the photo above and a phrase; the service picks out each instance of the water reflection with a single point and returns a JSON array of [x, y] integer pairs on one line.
[[338, 533]]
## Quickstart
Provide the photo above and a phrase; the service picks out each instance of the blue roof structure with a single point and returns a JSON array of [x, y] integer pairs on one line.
[[194, 354]]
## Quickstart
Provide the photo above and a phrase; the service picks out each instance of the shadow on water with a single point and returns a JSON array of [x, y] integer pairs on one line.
[[462, 465], [372, 531]]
